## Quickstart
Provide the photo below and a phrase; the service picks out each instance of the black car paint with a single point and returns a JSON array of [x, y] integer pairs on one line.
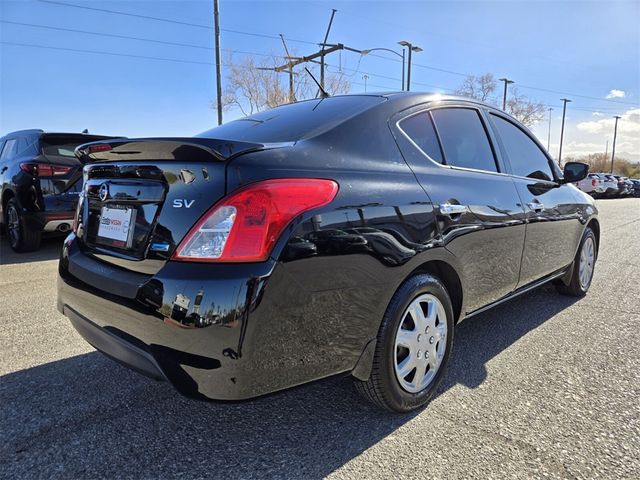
[[309, 313], [40, 199]]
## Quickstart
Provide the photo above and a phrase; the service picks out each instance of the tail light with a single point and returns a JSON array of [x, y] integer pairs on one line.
[[244, 226], [45, 169], [593, 182]]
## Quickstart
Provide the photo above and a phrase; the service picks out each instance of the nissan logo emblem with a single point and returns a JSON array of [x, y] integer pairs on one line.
[[104, 192]]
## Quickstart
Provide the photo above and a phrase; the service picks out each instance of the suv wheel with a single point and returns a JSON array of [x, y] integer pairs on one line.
[[583, 266], [413, 346], [21, 239]]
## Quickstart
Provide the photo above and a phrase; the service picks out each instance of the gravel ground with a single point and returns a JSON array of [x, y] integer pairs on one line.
[[544, 386]]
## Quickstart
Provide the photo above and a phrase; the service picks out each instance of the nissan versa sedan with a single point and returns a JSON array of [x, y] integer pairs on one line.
[[342, 235]]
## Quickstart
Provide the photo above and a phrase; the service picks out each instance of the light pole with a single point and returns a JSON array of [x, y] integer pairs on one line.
[[365, 77], [564, 112], [504, 96], [369, 50], [613, 147], [410, 48], [549, 134], [216, 21]]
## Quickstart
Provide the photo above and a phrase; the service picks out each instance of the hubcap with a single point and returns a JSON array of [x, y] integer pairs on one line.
[[13, 225], [418, 357], [587, 260]]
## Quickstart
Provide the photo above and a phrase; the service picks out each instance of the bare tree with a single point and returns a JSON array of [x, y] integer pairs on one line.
[[479, 87], [251, 88], [484, 88]]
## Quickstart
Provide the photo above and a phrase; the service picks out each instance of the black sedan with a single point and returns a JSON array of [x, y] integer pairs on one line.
[[192, 258]]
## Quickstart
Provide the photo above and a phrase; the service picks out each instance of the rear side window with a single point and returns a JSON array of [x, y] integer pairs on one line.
[[9, 149], [464, 139], [419, 128], [525, 157]]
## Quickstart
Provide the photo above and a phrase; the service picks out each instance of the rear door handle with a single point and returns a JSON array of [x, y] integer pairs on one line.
[[536, 206], [452, 209]]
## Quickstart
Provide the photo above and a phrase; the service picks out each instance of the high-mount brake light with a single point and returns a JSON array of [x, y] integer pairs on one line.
[[101, 147], [245, 225], [45, 169]]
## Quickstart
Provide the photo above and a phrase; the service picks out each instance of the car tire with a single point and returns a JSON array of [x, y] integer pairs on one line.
[[431, 340], [583, 267], [21, 238]]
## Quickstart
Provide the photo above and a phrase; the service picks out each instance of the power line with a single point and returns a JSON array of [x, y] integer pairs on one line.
[[261, 35], [113, 35], [169, 20]]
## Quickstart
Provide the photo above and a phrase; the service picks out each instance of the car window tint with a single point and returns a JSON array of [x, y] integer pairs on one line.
[[419, 128], [525, 157], [464, 140], [9, 149]]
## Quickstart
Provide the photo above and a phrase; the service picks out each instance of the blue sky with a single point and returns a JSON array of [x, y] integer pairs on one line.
[[583, 49]]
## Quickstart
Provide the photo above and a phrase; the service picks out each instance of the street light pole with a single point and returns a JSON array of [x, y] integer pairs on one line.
[[369, 50], [549, 134], [216, 21], [564, 112], [504, 96], [365, 77], [411, 48], [613, 148]]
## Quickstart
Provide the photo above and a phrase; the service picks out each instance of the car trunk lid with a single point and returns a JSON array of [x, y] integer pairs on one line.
[[141, 196]]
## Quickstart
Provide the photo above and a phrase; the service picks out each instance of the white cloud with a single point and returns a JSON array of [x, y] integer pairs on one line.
[[597, 114], [616, 94]]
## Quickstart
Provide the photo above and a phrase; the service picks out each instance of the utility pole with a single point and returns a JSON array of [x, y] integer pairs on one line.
[[613, 147], [326, 37], [504, 96], [549, 134], [365, 77], [292, 96], [411, 48], [216, 21], [564, 111]]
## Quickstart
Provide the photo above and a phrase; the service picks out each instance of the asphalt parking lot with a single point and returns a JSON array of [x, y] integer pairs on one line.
[[545, 386]]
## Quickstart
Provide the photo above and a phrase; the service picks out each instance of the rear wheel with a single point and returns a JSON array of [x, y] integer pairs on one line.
[[21, 238], [413, 346], [583, 267]]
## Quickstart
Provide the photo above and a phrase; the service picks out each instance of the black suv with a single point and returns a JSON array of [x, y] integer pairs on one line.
[[39, 184], [339, 235]]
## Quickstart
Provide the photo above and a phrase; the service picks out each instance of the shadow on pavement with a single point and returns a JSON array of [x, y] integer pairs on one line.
[[49, 250], [86, 416]]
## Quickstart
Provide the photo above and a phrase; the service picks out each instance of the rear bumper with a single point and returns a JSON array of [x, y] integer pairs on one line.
[[252, 333]]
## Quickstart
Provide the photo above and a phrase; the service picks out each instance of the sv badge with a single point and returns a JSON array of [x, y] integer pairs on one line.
[[182, 202]]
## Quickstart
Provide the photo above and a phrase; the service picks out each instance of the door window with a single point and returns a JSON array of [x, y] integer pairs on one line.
[[464, 139], [525, 157], [9, 149], [419, 128]]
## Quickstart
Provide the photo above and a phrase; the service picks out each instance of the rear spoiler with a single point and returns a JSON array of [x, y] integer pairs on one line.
[[157, 149]]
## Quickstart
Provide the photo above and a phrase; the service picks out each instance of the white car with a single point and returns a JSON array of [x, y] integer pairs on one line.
[[606, 184]]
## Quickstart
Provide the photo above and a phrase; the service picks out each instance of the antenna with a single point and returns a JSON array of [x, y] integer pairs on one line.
[[322, 90]]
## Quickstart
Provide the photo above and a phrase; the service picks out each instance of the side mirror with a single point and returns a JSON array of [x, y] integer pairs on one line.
[[574, 172]]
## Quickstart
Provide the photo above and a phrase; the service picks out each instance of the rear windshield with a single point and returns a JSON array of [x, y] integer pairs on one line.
[[64, 145], [294, 121]]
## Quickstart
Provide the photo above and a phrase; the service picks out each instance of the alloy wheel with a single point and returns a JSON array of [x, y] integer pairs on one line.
[[13, 225], [420, 343]]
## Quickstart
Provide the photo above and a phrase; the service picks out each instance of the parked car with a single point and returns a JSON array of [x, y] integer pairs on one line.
[[39, 185], [628, 186], [609, 184], [636, 187], [592, 185], [213, 216]]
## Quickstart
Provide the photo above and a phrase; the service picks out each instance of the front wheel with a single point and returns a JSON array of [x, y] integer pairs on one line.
[[583, 267], [413, 346]]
